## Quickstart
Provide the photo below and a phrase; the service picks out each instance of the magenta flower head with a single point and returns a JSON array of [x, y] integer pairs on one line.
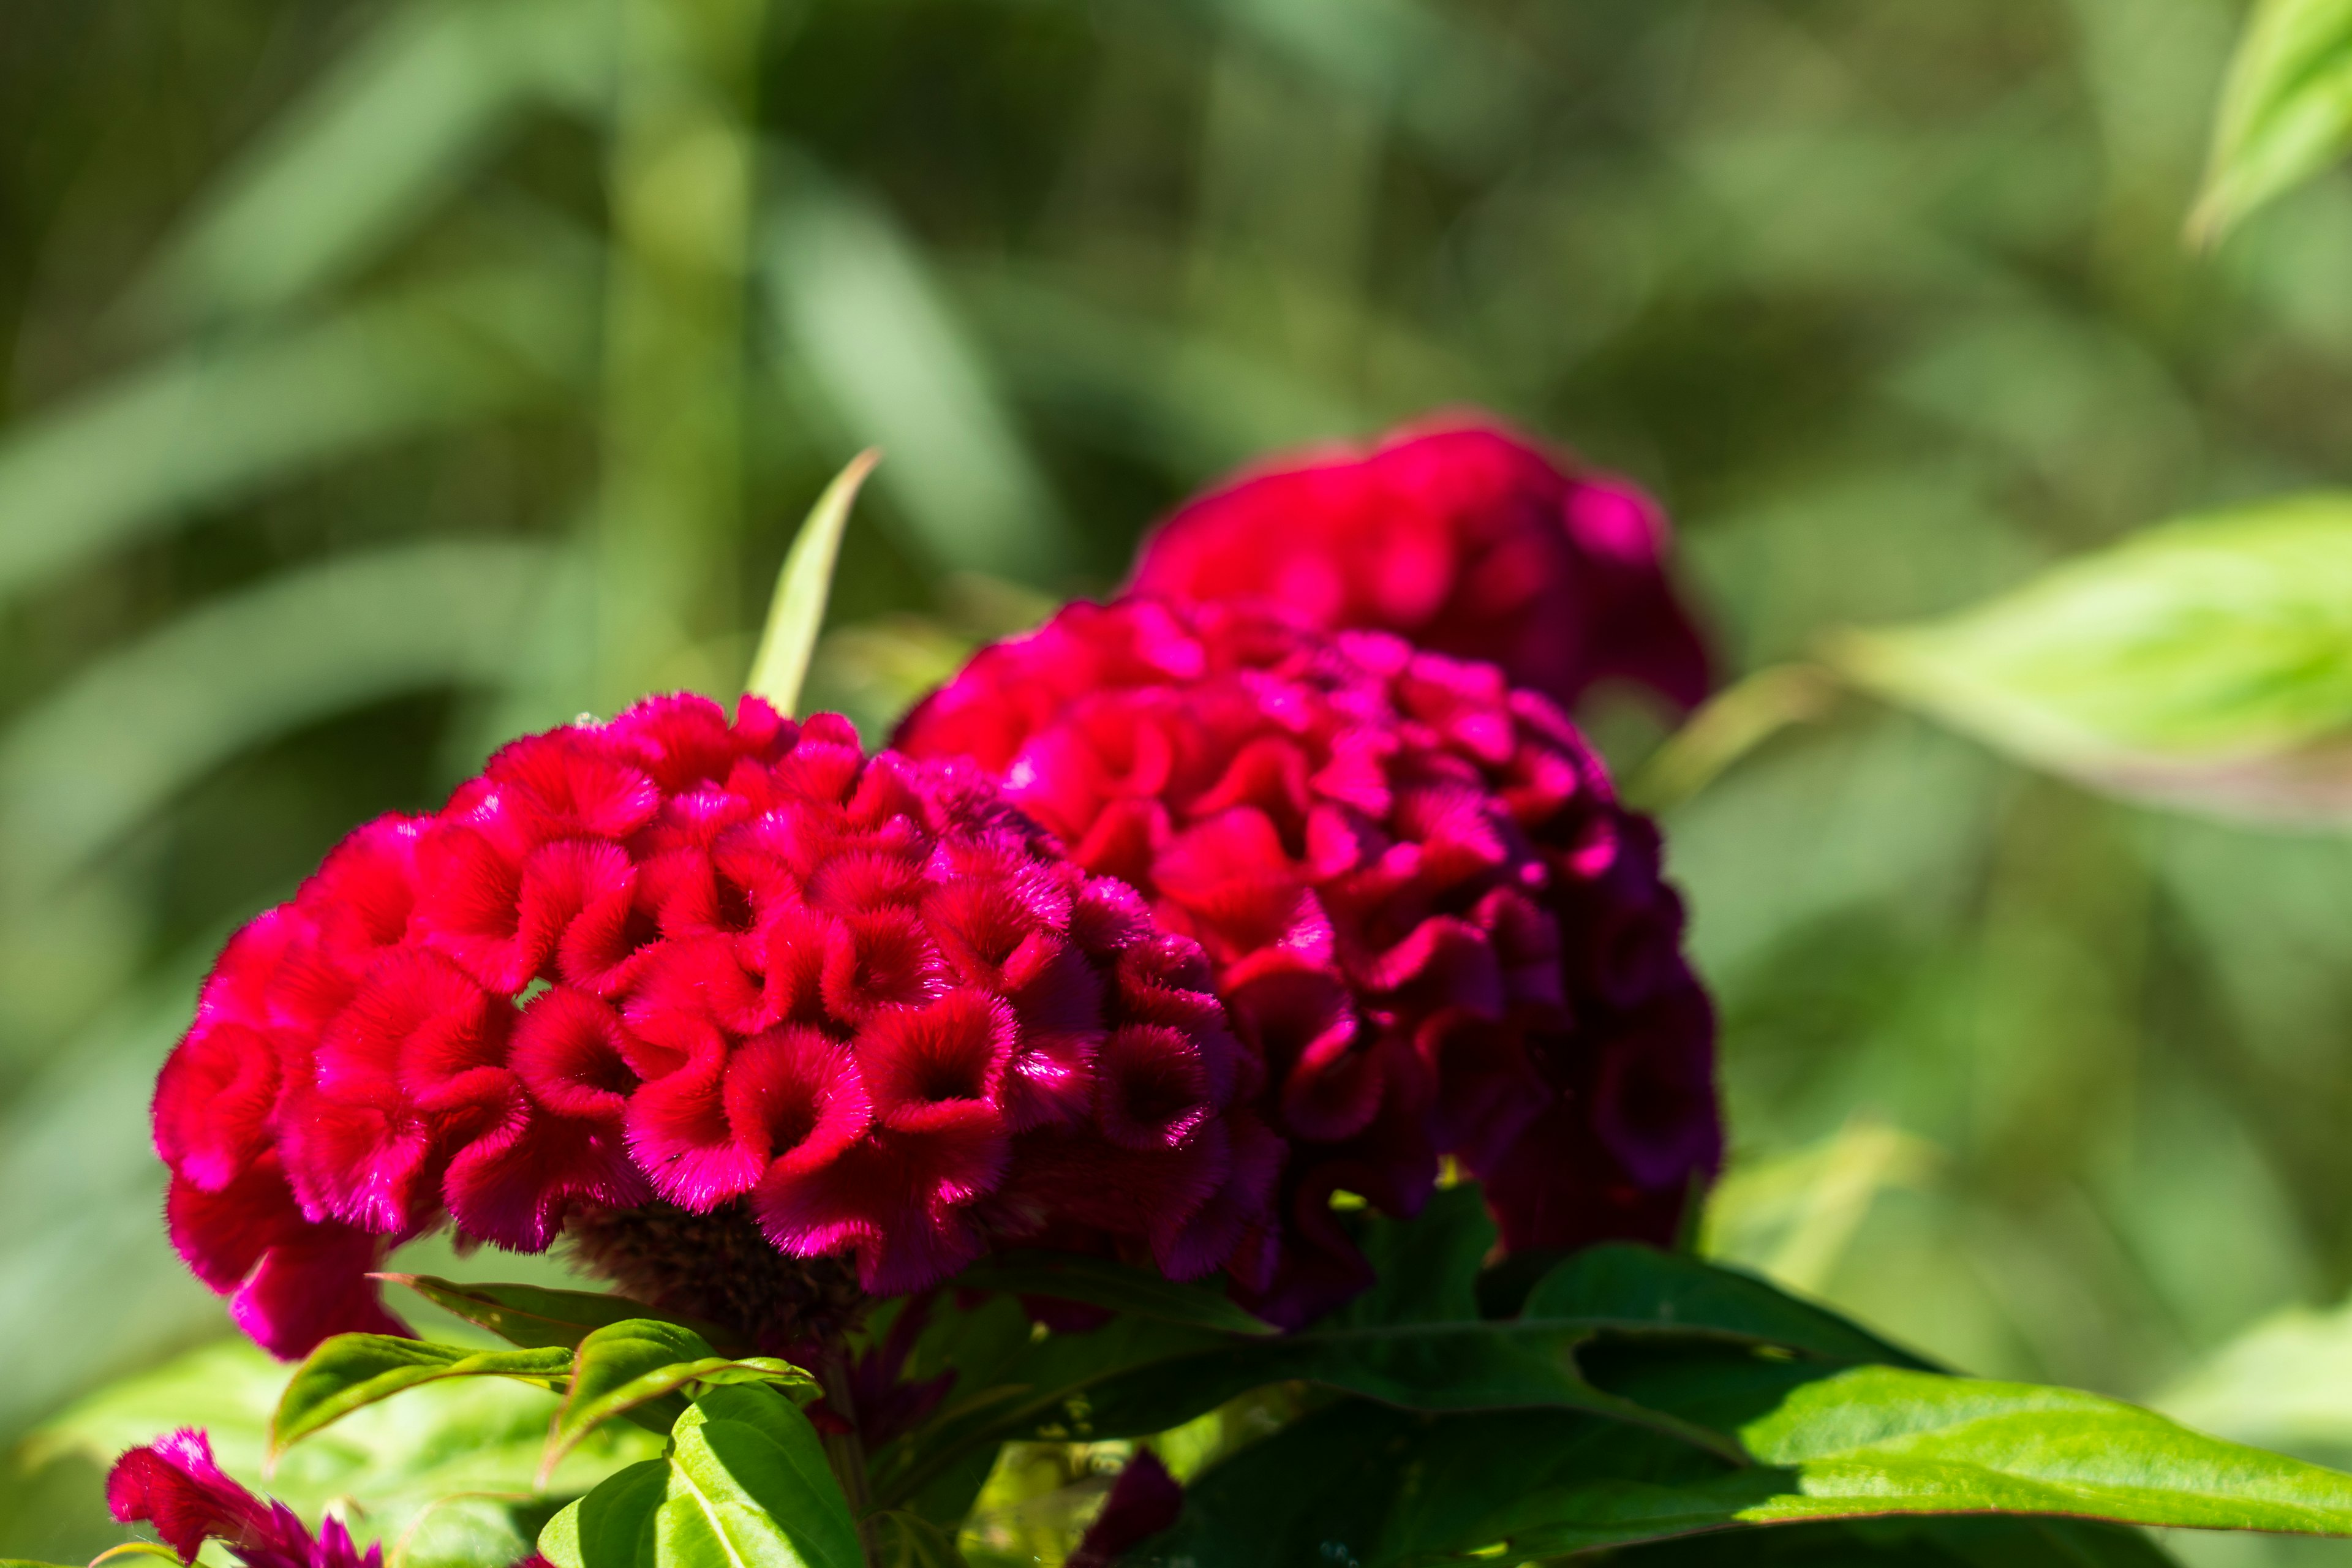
[[1462, 537], [728, 1001], [1428, 915], [175, 1484]]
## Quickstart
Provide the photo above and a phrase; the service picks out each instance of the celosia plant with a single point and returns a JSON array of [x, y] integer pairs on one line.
[[913, 1102], [668, 979], [1428, 912], [1461, 535]]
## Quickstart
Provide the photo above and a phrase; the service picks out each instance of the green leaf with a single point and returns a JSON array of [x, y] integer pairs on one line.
[[1427, 1268], [1432, 1367], [354, 1370], [2286, 1382], [746, 1482], [1103, 1282], [534, 1316], [2287, 110], [1996, 1542], [797, 613], [626, 1365], [612, 1527], [1886, 1440], [1634, 1288], [2208, 662]]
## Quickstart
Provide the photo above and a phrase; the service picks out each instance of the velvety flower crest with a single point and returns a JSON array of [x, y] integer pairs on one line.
[[1429, 919], [1464, 538], [674, 965], [175, 1484]]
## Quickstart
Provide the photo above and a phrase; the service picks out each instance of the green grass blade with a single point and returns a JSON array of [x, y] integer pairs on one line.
[[130, 733], [888, 348], [390, 130], [797, 613], [2286, 110], [213, 425]]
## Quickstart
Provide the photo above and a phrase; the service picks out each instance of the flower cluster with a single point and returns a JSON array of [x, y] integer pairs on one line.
[[1464, 538], [676, 965], [175, 1484], [1428, 917]]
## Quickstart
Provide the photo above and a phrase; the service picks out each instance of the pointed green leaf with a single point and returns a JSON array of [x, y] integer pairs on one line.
[[745, 1483], [613, 1526], [1103, 1282], [749, 1484], [2287, 110], [1638, 1289], [534, 1316], [351, 1371], [1886, 1440], [2208, 662], [797, 613], [626, 1365]]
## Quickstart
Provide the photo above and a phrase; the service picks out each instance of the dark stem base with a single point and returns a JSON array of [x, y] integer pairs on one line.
[[719, 1267]]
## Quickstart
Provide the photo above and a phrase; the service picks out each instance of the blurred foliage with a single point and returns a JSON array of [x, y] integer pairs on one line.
[[384, 379]]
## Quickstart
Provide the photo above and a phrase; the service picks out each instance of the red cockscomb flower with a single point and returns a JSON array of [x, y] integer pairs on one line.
[[1464, 538], [175, 1484], [673, 967], [1428, 914]]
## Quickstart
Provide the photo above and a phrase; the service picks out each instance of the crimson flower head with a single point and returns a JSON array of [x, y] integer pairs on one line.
[[1464, 538], [175, 1484], [1428, 914], [668, 968]]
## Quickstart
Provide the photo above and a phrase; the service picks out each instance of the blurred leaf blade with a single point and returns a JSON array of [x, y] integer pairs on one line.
[[134, 729], [2287, 110], [2208, 662], [803, 583], [350, 1371], [215, 423], [861, 308], [396, 124]]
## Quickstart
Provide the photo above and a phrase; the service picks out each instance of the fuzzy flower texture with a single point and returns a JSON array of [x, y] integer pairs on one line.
[[1436, 931], [673, 964], [175, 1484], [1165, 926]]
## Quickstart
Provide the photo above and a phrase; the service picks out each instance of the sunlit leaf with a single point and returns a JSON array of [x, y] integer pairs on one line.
[[353, 1371], [2286, 108], [394, 126], [2207, 663], [1876, 1440], [2286, 1382], [624, 1367], [797, 614], [746, 1482]]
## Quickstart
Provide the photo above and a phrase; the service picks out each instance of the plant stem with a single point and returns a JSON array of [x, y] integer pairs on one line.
[[681, 180], [845, 1451]]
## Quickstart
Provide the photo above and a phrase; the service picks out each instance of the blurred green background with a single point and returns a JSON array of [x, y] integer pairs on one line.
[[382, 380]]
